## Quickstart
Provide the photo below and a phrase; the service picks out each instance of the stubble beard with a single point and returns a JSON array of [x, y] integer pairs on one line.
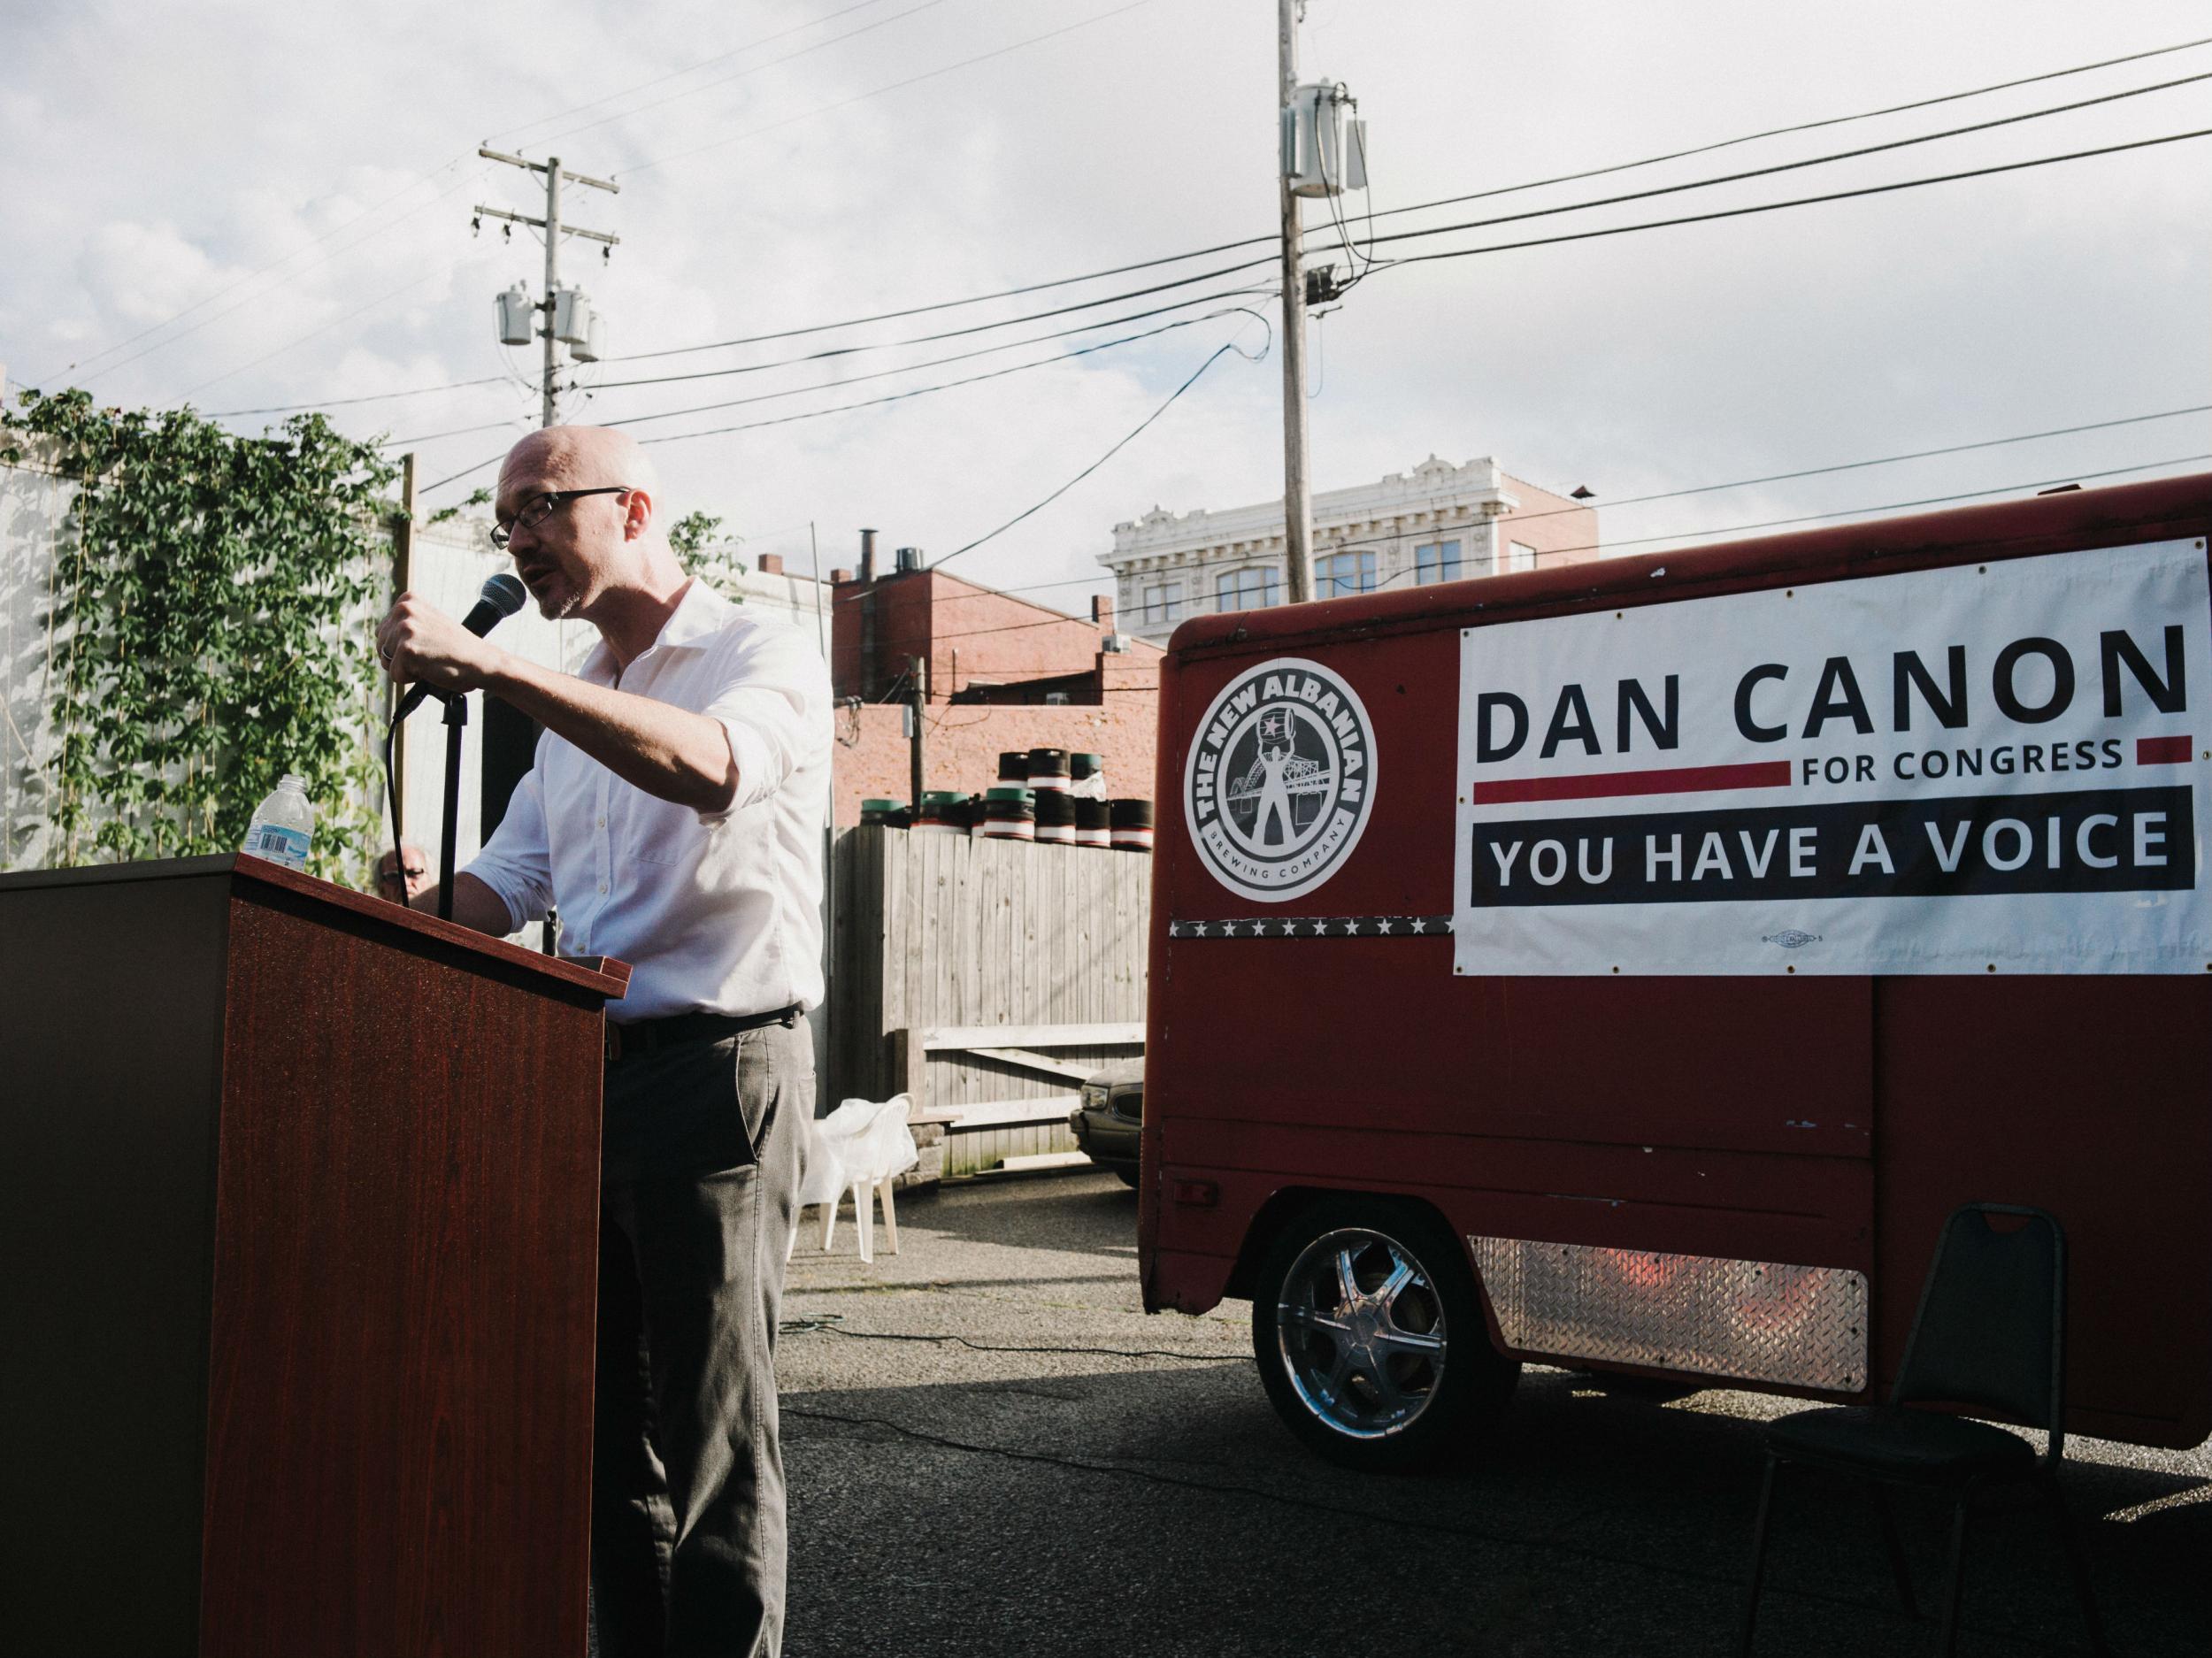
[[558, 606]]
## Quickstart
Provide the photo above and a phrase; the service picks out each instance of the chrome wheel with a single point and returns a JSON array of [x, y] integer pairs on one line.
[[1359, 1326]]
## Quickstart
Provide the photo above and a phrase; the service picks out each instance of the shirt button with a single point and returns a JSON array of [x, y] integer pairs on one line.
[[602, 886], [602, 823]]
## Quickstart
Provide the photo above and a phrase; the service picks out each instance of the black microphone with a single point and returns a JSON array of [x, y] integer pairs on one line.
[[502, 597]]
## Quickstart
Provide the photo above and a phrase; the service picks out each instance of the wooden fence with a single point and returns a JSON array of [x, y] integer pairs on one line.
[[956, 963]]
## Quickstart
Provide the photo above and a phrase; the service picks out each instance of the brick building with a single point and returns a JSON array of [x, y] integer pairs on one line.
[[998, 672], [1436, 523]]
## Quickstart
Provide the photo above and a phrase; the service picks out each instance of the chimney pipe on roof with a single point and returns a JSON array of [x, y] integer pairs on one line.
[[867, 555]]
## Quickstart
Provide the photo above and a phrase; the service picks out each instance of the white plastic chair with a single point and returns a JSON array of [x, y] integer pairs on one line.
[[861, 1147]]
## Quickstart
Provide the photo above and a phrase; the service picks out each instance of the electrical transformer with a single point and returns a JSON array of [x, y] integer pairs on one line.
[[1324, 151], [515, 315], [571, 316], [595, 346]]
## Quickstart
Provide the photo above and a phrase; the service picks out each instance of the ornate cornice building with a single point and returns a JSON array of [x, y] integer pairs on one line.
[[1436, 523]]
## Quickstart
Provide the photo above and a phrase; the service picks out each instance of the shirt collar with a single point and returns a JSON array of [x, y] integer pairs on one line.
[[701, 613]]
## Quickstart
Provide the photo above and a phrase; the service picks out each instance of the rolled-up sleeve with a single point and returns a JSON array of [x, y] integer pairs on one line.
[[517, 862], [774, 707]]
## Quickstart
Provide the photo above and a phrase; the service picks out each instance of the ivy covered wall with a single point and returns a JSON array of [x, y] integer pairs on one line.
[[185, 615]]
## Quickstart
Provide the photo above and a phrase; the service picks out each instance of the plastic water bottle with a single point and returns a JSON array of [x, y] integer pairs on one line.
[[283, 825]]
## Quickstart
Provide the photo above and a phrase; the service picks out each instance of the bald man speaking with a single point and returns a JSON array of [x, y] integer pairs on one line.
[[674, 816]]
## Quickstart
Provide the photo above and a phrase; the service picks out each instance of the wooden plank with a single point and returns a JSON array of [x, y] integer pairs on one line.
[[1112, 1032], [994, 957], [1034, 1062], [1050, 1107], [870, 898], [1042, 1160], [908, 1067]]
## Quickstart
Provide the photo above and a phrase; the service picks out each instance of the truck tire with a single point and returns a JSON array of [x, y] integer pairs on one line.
[[1370, 1337]]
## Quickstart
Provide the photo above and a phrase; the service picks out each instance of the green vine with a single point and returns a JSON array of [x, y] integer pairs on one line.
[[212, 619], [693, 531], [692, 539]]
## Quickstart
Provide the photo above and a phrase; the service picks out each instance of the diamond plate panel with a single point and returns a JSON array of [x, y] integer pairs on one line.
[[1758, 1320]]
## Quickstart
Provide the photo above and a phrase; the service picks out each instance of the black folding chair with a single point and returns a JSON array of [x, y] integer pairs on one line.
[[1990, 1335]]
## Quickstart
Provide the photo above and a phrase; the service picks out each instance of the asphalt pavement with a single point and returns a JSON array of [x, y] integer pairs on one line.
[[992, 1450]]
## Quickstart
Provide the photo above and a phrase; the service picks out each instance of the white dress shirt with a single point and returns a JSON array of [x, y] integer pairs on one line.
[[718, 912]]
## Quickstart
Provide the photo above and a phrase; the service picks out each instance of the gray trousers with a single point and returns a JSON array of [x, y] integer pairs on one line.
[[700, 1168]]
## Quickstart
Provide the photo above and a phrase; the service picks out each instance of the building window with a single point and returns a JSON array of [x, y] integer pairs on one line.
[[1163, 603], [1342, 573], [1519, 555], [1439, 561], [1253, 589]]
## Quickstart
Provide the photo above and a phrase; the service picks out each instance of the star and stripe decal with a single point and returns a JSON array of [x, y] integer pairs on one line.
[[1313, 927]]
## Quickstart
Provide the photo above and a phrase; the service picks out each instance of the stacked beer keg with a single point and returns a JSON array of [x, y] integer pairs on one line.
[[1047, 795]]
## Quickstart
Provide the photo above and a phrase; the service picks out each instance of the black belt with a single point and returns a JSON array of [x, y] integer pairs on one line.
[[649, 1036]]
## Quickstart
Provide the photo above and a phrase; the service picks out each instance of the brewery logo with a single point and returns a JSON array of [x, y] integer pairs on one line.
[[1280, 780]]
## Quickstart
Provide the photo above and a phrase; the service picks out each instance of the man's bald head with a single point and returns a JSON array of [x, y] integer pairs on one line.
[[577, 457], [601, 550]]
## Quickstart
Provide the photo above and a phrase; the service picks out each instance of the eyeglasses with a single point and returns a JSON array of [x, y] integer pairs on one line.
[[393, 878], [539, 508]]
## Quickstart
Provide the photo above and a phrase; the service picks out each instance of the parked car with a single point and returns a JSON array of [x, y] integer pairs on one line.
[[1107, 1122]]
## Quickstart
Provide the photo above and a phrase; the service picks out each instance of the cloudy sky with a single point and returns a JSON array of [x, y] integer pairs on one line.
[[251, 205]]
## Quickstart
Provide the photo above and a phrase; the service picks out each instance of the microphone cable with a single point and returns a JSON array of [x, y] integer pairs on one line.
[[391, 797]]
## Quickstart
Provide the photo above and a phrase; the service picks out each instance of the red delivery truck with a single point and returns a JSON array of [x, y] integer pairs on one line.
[[1629, 966]]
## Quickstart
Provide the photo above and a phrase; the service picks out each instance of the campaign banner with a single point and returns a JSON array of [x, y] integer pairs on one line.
[[1991, 767]]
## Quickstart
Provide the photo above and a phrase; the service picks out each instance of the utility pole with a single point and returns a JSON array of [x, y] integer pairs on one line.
[[554, 231], [1297, 492], [917, 699]]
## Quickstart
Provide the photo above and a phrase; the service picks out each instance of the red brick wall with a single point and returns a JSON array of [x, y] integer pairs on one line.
[[1561, 531], [961, 746], [966, 633]]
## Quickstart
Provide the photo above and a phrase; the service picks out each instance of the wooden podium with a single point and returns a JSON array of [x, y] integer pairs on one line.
[[298, 1242]]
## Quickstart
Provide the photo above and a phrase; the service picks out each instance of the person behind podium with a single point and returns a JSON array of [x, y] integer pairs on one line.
[[402, 875], [674, 816]]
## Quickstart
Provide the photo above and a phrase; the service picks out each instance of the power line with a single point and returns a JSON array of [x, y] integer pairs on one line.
[[1883, 460], [455, 478], [675, 97], [1131, 6], [929, 74], [263, 270], [1617, 230], [938, 362], [1219, 352], [1066, 620], [1892, 506], [1701, 489], [918, 391], [379, 396], [1801, 201], [508, 132], [184, 333], [352, 313], [1577, 236], [1801, 126], [1702, 535], [1236, 269], [929, 339], [1402, 236], [1437, 230], [1792, 166], [1248, 241], [427, 437]]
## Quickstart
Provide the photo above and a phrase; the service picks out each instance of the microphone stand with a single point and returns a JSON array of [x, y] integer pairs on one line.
[[456, 718]]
